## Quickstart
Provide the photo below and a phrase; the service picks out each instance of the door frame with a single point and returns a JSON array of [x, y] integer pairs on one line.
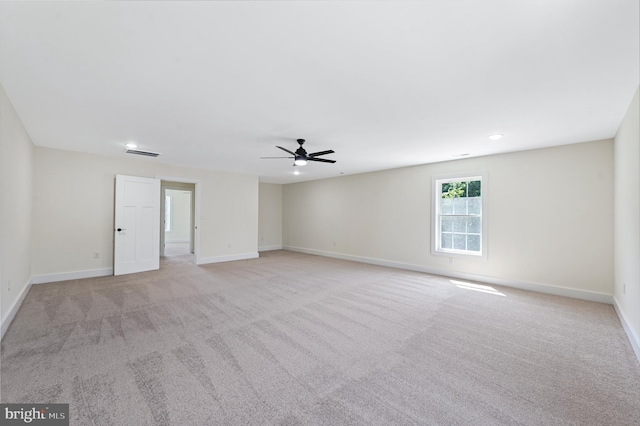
[[182, 187], [196, 210]]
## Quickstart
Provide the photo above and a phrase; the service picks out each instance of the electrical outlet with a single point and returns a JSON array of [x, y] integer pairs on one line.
[[334, 243], [96, 255], [9, 286], [624, 288], [229, 245]]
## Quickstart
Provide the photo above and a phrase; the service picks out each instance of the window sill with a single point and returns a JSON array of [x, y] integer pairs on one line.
[[459, 254]]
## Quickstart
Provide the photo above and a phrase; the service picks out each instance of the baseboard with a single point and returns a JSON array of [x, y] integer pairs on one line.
[[523, 285], [13, 310], [269, 248], [77, 275], [631, 334], [228, 258]]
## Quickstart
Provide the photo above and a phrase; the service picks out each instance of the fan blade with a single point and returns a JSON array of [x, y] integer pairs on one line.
[[322, 160], [315, 154], [286, 150], [274, 157]]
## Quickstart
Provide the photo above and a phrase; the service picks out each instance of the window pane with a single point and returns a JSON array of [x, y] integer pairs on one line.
[[459, 224], [473, 242], [475, 205], [446, 224], [474, 188], [446, 241], [454, 189], [460, 206], [167, 213], [446, 206], [459, 242], [474, 225]]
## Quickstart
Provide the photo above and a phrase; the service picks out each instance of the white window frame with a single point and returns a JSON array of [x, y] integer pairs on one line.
[[436, 185], [167, 213]]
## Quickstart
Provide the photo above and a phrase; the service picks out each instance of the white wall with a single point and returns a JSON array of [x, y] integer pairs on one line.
[[16, 153], [270, 217], [74, 201], [550, 218], [180, 230], [627, 221]]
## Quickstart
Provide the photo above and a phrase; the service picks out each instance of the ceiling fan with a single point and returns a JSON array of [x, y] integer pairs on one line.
[[300, 157]]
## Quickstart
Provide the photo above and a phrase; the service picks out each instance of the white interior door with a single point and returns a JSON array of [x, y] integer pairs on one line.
[[137, 225]]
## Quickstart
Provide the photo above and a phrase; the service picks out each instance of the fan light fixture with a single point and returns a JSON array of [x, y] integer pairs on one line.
[[495, 137], [300, 156], [131, 145]]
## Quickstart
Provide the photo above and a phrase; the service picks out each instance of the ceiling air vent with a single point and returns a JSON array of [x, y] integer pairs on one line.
[[139, 152]]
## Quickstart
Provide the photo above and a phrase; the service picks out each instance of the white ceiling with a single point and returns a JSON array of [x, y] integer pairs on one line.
[[384, 84]]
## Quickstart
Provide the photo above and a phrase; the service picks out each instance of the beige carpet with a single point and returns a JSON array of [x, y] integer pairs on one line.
[[176, 249], [294, 339]]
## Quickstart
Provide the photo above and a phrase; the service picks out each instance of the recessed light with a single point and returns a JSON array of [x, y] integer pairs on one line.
[[495, 137], [131, 145], [296, 172]]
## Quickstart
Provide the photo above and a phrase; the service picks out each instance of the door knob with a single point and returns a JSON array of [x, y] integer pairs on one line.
[[121, 229]]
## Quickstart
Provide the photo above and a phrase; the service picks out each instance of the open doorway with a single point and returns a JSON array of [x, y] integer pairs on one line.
[[177, 233]]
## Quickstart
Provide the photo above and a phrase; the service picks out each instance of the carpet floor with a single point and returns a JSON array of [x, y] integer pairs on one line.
[[295, 339], [176, 249]]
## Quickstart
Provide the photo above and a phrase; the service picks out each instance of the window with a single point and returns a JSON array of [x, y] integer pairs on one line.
[[167, 213], [459, 221]]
